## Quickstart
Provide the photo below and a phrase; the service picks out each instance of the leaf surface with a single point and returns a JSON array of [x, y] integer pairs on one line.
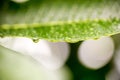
[[60, 20]]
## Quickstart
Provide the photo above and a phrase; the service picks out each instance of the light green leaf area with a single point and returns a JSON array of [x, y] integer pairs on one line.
[[60, 20], [15, 66]]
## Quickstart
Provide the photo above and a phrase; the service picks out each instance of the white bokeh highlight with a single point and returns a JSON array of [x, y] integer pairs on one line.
[[113, 75], [117, 60], [50, 55], [63, 73], [18, 67], [7, 42], [20, 1], [95, 54]]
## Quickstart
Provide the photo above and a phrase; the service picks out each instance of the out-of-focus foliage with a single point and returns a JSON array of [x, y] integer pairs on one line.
[[15, 66]]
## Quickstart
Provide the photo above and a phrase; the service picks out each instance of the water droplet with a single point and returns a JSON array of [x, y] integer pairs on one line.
[[95, 54], [35, 40]]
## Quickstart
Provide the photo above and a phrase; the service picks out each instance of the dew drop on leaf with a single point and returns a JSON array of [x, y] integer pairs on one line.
[[36, 40]]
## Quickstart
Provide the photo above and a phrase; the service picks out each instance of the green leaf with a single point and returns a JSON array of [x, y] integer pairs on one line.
[[60, 20]]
